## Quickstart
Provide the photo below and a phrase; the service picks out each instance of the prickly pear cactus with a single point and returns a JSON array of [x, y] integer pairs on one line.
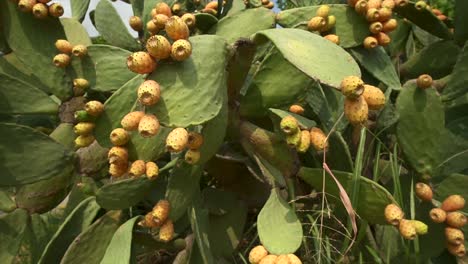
[[233, 131]]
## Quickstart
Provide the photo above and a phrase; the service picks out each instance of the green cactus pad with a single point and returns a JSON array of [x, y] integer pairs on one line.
[[433, 243], [327, 104], [90, 246], [452, 184], [338, 155], [350, 26], [24, 145], [228, 26], [76, 222], [458, 84], [378, 63], [112, 28], [213, 134], [200, 224], [205, 21], [315, 56], [124, 193], [79, 9], [19, 97], [64, 135], [373, 198], [137, 7], [76, 33], [13, 229], [461, 31], [278, 227], [192, 91], [6, 201], [424, 19], [119, 249]]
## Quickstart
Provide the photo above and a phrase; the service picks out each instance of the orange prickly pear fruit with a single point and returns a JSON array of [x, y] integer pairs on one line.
[[293, 259], [372, 14], [424, 81], [176, 28], [457, 250], [269, 259], [296, 109], [177, 140], [181, 50], [189, 19], [282, 259], [137, 168], [270, 5], [56, 10], [26, 6], [209, 11], [212, 5], [352, 87], [370, 42], [84, 128], [160, 21], [289, 125], [131, 120], [83, 141], [257, 253], [316, 23], [437, 215], [141, 62], [323, 11], [152, 28], [176, 8], [136, 23], [119, 137], [390, 4], [94, 108], [383, 39], [294, 140], [63, 46], [407, 229], [152, 170], [423, 191], [401, 3], [454, 236], [40, 11], [117, 169], [393, 214], [436, 12], [43, 1], [304, 144], [374, 97], [166, 232], [333, 38], [118, 155], [453, 203], [390, 25], [61, 60], [192, 156], [148, 126], [149, 92], [195, 140], [163, 8], [385, 14], [421, 227], [161, 211], [361, 7], [356, 111], [374, 4], [148, 221], [158, 47], [318, 139], [80, 51], [375, 27], [456, 219]]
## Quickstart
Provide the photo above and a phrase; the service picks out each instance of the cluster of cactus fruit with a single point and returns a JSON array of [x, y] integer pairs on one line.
[[159, 218], [259, 255], [41, 9]]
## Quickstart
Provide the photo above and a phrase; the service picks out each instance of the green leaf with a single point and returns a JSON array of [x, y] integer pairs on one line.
[[12, 232], [399, 37], [119, 249], [373, 198], [315, 56], [461, 32], [25, 36], [279, 229], [64, 135], [79, 8], [183, 185], [90, 246], [111, 27], [76, 33], [191, 93], [424, 19], [200, 226], [125, 193], [24, 145], [225, 231], [327, 104], [77, 221], [436, 60], [378, 63], [228, 27], [205, 21], [104, 68], [7, 204], [350, 26], [457, 86], [137, 6], [19, 97]]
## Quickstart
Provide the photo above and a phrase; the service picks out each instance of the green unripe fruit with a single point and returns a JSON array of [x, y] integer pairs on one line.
[[289, 125], [293, 140], [305, 142], [119, 137], [420, 5], [84, 128], [83, 116], [323, 11], [421, 228]]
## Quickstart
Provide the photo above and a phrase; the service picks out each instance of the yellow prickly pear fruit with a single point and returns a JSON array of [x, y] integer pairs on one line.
[[385, 14], [323, 11], [61, 60], [370, 42], [40, 11], [269, 259], [372, 14], [181, 50], [119, 137], [56, 10], [63, 46], [158, 47], [423, 191], [437, 215], [80, 51], [131, 120], [333, 38], [421, 227], [289, 125], [195, 140], [149, 93], [192, 156], [189, 19], [81, 83], [352, 87], [160, 21], [424, 81], [456, 219], [305, 141], [296, 109], [83, 141], [161, 211], [374, 97], [454, 236], [383, 39], [117, 169], [457, 250], [331, 22], [316, 23], [390, 4], [117, 155], [407, 229], [282, 259], [152, 28], [94, 108], [148, 221], [393, 214], [26, 6], [374, 4], [356, 111], [401, 3], [166, 232], [176, 28], [270, 5], [390, 25], [257, 253], [177, 140], [137, 168], [152, 170], [361, 7], [176, 8], [420, 5], [294, 140], [84, 128], [136, 23], [453, 203], [318, 139], [293, 259], [163, 8], [141, 62], [148, 126], [375, 27]]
